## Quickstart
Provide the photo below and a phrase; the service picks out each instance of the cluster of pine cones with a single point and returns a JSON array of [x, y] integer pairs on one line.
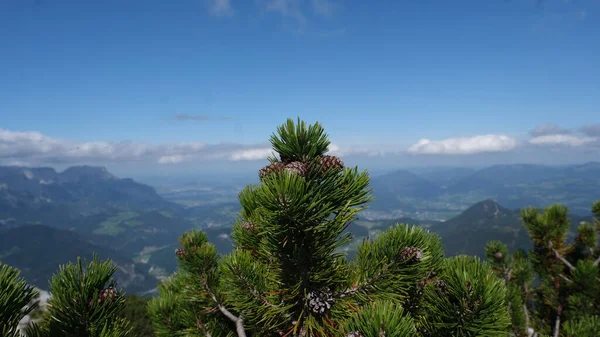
[[301, 167], [180, 252], [107, 293], [411, 254], [249, 226]]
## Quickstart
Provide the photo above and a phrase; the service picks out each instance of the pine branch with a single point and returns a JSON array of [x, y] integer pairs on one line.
[[597, 262], [260, 296], [357, 288], [562, 259], [557, 322], [239, 322], [569, 265], [565, 278], [525, 311]]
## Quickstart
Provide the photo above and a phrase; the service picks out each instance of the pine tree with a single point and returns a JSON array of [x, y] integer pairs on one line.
[[566, 298], [288, 275], [84, 302], [517, 272], [16, 297]]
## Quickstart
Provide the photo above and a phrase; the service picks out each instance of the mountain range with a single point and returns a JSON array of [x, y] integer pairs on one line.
[[444, 193], [48, 218]]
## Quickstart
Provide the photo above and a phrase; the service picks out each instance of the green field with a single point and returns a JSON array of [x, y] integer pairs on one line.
[[112, 225], [142, 258]]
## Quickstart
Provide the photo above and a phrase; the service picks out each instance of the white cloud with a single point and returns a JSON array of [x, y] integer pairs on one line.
[[336, 150], [35, 148], [464, 145], [174, 159], [562, 139], [220, 8], [251, 154]]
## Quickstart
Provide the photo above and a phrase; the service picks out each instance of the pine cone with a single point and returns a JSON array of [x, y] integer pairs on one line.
[[271, 168], [331, 162], [108, 293], [249, 226], [355, 334], [297, 167], [469, 288], [319, 302], [441, 285], [411, 254], [282, 201], [180, 252]]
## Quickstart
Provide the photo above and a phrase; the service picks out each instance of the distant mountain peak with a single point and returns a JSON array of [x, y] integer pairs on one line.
[[592, 165], [485, 209], [489, 205], [75, 173]]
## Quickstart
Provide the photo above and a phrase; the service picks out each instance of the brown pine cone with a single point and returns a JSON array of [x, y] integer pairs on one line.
[[297, 167], [271, 168], [331, 162]]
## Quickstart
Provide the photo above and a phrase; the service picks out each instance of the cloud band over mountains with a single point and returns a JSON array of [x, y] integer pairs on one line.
[[465, 145], [547, 135], [35, 148]]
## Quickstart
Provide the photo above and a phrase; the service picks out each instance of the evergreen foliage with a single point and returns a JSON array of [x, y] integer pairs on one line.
[[565, 299], [135, 311], [84, 302], [16, 297], [288, 276]]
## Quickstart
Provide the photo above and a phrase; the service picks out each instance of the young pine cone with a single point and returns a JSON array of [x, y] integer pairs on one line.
[[180, 252], [249, 226], [469, 288], [441, 285], [411, 254], [108, 293], [271, 168], [331, 162], [319, 302]]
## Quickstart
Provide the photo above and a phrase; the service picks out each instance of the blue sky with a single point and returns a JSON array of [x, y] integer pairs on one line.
[[80, 78]]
